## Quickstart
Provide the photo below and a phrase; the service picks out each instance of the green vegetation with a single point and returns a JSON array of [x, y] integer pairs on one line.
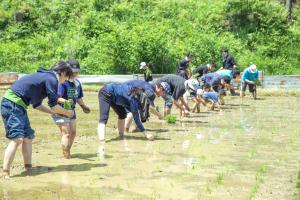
[[113, 36], [171, 119]]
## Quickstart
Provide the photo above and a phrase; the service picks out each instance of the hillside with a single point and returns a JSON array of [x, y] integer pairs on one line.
[[113, 36]]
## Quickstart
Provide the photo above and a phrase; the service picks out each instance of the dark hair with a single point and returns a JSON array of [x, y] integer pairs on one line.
[[189, 54], [227, 79], [222, 92], [224, 49], [61, 67], [150, 66], [206, 86], [213, 65]]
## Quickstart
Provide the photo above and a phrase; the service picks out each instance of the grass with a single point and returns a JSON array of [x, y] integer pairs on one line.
[[171, 119], [237, 152]]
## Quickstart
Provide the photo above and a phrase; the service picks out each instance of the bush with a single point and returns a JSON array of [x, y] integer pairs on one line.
[[114, 36]]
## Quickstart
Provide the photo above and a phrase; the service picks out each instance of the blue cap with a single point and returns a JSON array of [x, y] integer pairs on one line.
[[165, 85]]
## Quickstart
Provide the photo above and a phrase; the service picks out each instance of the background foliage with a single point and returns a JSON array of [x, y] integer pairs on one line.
[[114, 36]]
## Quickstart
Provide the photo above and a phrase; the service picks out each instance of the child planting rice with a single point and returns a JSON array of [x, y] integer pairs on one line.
[[30, 89], [213, 97], [193, 90], [70, 93]]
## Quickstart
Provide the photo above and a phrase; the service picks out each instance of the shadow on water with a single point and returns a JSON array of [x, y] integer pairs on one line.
[[237, 105], [88, 156], [131, 137], [38, 170], [193, 122], [260, 99], [159, 130]]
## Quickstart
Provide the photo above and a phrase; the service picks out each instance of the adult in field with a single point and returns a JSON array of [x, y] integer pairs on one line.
[[175, 94], [151, 90], [200, 71], [250, 79], [30, 89], [122, 98], [147, 71], [183, 69], [229, 64]]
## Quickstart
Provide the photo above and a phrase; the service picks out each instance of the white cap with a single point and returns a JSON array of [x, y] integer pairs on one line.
[[252, 69], [192, 84], [200, 92], [142, 65]]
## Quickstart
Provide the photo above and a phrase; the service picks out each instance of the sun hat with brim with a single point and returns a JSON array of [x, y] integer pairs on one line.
[[165, 86], [75, 66], [142, 65], [192, 84], [252, 69], [200, 92]]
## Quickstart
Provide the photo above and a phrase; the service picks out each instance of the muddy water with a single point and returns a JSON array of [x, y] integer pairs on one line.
[[250, 151]]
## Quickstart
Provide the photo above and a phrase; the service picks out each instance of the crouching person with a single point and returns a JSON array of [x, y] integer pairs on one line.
[[176, 92], [30, 89], [213, 97], [193, 89], [120, 97], [250, 79], [147, 104]]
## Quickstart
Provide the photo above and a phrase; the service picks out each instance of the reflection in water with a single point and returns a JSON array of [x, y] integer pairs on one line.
[[199, 136], [6, 195], [189, 161], [101, 154], [245, 123], [185, 144]]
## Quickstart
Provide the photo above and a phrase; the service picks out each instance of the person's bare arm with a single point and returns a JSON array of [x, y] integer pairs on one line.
[[45, 109], [189, 73], [184, 103], [155, 112], [59, 110], [183, 112], [84, 107], [248, 81]]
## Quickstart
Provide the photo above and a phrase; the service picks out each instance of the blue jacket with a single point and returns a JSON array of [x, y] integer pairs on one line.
[[35, 87], [249, 76], [141, 84], [211, 79], [120, 97]]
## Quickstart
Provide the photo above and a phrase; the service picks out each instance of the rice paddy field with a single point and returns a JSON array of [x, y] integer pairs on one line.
[[249, 151]]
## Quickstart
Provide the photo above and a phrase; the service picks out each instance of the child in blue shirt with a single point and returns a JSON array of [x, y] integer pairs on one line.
[[213, 97], [70, 93]]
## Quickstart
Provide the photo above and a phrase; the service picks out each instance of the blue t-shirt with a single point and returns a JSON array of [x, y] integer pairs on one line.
[[70, 90], [141, 84], [35, 87], [225, 72], [120, 96], [249, 76], [211, 79], [211, 95]]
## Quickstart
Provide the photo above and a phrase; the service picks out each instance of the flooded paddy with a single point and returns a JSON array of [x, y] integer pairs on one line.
[[250, 151]]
